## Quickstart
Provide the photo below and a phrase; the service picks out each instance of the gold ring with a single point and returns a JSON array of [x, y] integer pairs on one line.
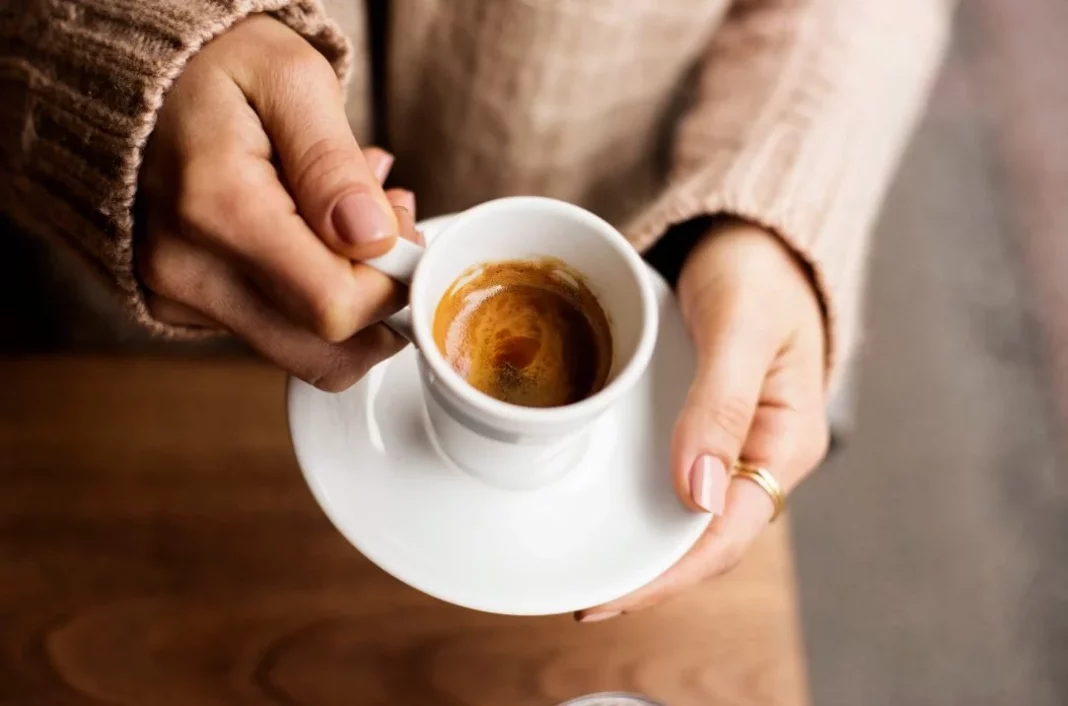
[[763, 478]]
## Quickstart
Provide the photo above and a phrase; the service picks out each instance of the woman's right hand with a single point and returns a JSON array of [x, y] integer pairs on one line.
[[257, 200]]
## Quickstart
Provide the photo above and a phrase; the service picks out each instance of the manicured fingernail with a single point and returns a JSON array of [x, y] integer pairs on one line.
[[708, 484], [381, 165], [360, 219], [598, 617]]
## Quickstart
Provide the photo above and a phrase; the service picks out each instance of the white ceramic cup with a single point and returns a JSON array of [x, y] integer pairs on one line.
[[507, 445], [614, 698]]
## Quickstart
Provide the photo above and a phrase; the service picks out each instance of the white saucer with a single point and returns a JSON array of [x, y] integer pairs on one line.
[[609, 526]]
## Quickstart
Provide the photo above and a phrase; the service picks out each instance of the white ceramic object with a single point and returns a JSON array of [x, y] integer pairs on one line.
[[503, 444], [615, 698], [601, 521]]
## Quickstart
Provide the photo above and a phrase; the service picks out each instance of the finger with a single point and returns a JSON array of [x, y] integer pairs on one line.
[[171, 312], [239, 210], [224, 295], [404, 205], [397, 298], [300, 102], [788, 437], [711, 554], [789, 434], [379, 162], [402, 198], [733, 359], [785, 451]]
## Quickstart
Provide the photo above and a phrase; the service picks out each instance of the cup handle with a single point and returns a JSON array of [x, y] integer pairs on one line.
[[401, 323], [399, 264]]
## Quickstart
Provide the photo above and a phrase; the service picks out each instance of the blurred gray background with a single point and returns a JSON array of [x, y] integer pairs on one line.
[[933, 546]]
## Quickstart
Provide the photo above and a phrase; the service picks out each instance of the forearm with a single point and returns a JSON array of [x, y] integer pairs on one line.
[[80, 85]]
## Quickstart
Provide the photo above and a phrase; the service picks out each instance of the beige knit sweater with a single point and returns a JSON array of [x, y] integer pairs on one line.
[[791, 113]]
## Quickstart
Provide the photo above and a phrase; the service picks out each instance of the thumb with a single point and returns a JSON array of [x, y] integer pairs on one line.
[[338, 194], [714, 422]]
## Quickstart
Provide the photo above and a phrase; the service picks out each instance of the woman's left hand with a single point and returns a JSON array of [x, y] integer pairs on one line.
[[757, 395]]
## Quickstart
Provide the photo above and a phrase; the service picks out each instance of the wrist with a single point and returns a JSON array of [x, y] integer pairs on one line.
[[734, 253]]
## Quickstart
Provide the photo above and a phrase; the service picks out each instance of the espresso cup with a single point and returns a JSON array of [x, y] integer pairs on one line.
[[614, 698], [503, 444]]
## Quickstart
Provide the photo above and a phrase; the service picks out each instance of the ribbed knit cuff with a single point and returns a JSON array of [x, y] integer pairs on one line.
[[809, 152], [82, 83], [700, 199]]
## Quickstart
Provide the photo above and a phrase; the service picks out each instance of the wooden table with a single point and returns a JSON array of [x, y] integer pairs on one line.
[[158, 546]]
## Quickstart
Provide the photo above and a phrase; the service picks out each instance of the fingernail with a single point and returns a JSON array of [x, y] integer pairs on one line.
[[406, 200], [382, 164], [359, 219], [598, 617], [708, 484]]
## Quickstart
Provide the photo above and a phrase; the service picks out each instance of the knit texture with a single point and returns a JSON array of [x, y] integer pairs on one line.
[[833, 91], [790, 113], [81, 82]]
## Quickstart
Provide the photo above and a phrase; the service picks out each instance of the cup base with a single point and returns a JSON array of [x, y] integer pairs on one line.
[[498, 463]]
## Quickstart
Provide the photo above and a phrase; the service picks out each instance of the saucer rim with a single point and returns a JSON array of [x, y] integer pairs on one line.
[[639, 576]]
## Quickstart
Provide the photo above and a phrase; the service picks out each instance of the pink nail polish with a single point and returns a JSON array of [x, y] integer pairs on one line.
[[598, 617], [708, 484]]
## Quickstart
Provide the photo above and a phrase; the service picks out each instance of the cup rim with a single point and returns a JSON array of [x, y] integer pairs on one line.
[[517, 414]]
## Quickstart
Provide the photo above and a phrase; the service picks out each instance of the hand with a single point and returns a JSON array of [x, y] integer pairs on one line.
[[757, 395], [257, 199]]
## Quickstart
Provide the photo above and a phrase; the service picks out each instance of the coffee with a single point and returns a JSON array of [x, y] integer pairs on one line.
[[527, 332]]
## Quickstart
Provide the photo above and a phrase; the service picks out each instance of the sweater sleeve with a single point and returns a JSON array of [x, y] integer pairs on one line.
[[81, 82], [801, 112]]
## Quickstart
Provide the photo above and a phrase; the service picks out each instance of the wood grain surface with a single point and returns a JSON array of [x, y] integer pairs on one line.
[[158, 546]]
